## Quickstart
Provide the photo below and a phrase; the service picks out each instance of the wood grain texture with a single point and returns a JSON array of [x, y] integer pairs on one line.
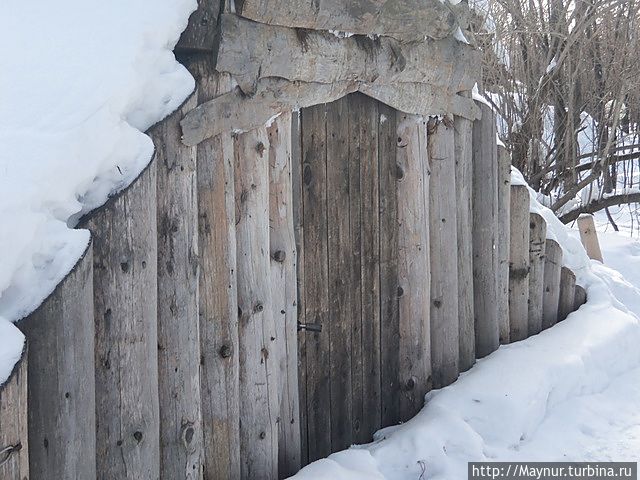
[[502, 241], [551, 296], [14, 436], [250, 51], [485, 211], [284, 292], [413, 264], [125, 292], [178, 302], [566, 300], [218, 307], [61, 383], [589, 237], [406, 20], [259, 382], [464, 180], [519, 264], [580, 298], [445, 348], [202, 32], [537, 240]]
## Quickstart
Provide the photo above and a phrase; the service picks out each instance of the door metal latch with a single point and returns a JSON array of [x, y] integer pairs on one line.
[[310, 327]]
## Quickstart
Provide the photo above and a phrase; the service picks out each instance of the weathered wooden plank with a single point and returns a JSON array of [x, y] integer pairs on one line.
[[413, 264], [537, 240], [61, 383], [364, 113], [259, 382], [125, 292], [551, 296], [485, 210], [580, 298], [464, 180], [406, 20], [235, 112], [219, 388], [589, 237], [389, 285], [567, 293], [250, 51], [339, 253], [316, 287], [178, 302], [445, 348], [519, 264], [14, 437], [284, 291], [502, 241], [298, 228], [202, 32]]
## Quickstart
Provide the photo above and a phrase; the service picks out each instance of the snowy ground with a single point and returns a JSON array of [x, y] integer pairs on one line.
[[571, 393]]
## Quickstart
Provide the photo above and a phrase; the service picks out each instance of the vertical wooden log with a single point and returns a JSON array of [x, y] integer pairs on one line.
[[178, 322], [61, 383], [537, 240], [485, 211], [367, 414], [464, 180], [580, 297], [298, 228], [284, 292], [390, 175], [519, 264], [551, 295], [567, 293], [444, 259], [316, 287], [503, 241], [14, 438], [259, 396], [413, 264], [125, 292], [340, 272], [589, 237], [219, 388]]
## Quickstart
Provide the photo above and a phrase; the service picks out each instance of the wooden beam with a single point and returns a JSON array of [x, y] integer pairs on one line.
[[403, 19], [567, 293], [251, 51], [502, 241], [551, 295], [580, 298], [519, 264], [14, 437], [589, 237], [537, 241]]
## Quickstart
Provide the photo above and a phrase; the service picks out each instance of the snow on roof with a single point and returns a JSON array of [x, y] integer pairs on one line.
[[80, 83]]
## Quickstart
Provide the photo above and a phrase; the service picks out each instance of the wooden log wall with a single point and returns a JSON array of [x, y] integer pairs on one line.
[[14, 436]]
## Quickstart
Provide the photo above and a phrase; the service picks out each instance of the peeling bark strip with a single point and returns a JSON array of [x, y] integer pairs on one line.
[[14, 441], [201, 33], [61, 386], [444, 259], [402, 19], [235, 112], [537, 240], [178, 322], [251, 51], [259, 379]]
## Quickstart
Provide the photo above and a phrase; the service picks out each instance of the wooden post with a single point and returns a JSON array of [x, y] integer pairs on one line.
[[485, 211], [589, 237], [178, 322], [125, 292], [284, 292], [567, 293], [259, 383], [580, 298], [61, 383], [444, 259], [14, 441], [464, 181], [519, 264], [413, 264], [551, 296], [537, 240], [503, 241], [219, 388]]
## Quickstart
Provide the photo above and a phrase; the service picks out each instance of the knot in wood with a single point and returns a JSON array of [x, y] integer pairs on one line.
[[138, 436], [411, 383], [518, 273], [262, 435], [260, 148], [400, 291], [399, 172], [259, 307], [225, 351], [279, 256]]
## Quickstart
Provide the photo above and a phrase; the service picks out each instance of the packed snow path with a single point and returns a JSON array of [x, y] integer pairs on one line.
[[568, 394]]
